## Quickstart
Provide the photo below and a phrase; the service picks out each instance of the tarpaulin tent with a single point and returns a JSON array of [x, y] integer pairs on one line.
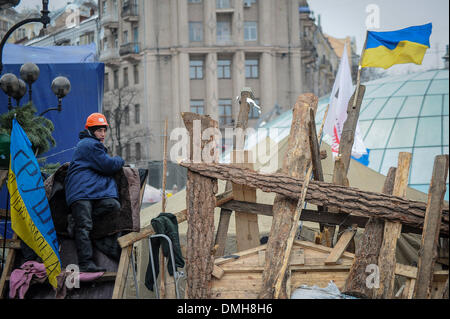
[[77, 63]]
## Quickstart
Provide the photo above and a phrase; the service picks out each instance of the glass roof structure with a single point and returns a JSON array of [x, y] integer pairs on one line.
[[407, 113]]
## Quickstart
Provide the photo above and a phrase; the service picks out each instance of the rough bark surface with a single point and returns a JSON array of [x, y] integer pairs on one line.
[[430, 236], [346, 199], [295, 163], [368, 249], [200, 204]]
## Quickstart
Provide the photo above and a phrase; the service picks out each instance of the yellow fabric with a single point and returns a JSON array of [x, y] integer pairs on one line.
[[25, 228], [405, 52]]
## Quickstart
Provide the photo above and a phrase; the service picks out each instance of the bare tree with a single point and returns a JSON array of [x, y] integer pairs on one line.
[[118, 105]]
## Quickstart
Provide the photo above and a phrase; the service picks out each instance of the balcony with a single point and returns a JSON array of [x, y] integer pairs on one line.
[[110, 21], [109, 56], [130, 51], [130, 12]]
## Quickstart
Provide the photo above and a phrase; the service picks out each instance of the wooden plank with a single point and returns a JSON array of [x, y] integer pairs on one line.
[[224, 219], [430, 236], [122, 272], [392, 231], [297, 258], [369, 248], [9, 264], [10, 243], [218, 272], [341, 246], [295, 164], [247, 230]]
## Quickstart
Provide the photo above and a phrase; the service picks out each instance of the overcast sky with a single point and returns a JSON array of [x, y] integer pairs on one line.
[[341, 18]]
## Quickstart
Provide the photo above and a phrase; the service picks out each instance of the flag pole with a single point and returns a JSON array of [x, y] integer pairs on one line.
[[358, 77]]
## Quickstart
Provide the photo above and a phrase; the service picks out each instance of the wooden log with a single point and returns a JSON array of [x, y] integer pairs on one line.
[[430, 235], [200, 203], [310, 215], [317, 167], [247, 229], [368, 250], [392, 231], [224, 219], [341, 246], [290, 240], [295, 163], [342, 163], [347, 199], [348, 138]]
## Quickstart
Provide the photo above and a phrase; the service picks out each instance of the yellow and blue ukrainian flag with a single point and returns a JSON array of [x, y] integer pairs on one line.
[[31, 218], [384, 49]]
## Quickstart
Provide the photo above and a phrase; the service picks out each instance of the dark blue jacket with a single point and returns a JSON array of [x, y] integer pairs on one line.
[[90, 174]]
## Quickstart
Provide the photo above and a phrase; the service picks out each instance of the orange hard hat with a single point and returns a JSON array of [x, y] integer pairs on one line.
[[96, 119]]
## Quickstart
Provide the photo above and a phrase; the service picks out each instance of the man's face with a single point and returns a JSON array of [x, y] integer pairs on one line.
[[100, 134]]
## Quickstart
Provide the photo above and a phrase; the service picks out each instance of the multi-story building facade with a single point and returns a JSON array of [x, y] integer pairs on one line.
[[196, 56]]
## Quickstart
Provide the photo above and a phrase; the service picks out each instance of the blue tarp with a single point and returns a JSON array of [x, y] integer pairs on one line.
[[19, 54], [86, 77], [85, 97]]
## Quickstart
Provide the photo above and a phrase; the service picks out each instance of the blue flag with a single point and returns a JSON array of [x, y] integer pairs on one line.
[[31, 218]]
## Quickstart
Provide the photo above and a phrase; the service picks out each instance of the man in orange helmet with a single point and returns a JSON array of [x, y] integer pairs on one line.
[[90, 186]]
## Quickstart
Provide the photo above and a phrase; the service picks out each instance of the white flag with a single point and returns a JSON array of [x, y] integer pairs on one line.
[[337, 113]]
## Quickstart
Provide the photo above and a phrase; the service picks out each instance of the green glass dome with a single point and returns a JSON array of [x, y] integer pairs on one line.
[[407, 113]]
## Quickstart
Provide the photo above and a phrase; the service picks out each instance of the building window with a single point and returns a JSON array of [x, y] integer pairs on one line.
[[196, 69], [195, 31], [248, 3], [197, 106], [127, 152], [136, 74], [125, 37], [225, 112], [137, 114], [106, 84], [135, 34], [254, 114], [116, 79], [251, 31], [251, 69], [125, 77], [194, 1], [223, 4], [126, 115], [224, 69], [104, 7], [223, 31], [137, 148]]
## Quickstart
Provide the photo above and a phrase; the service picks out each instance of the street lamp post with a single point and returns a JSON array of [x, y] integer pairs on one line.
[[44, 19], [29, 72]]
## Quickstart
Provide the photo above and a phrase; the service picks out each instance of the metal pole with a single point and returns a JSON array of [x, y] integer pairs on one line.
[[44, 19]]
